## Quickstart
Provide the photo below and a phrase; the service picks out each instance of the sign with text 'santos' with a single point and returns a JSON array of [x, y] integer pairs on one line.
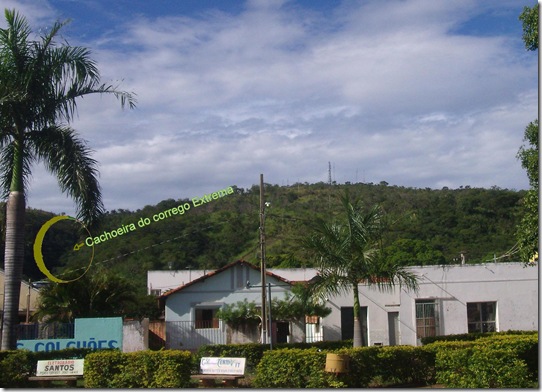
[[60, 367]]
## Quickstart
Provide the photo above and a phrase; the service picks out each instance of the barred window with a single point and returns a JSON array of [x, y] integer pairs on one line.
[[426, 318]]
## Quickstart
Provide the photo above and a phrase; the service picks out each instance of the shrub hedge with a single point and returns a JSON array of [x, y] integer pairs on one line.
[[141, 369], [294, 368], [471, 336], [17, 365], [369, 366], [253, 352], [490, 361], [498, 361]]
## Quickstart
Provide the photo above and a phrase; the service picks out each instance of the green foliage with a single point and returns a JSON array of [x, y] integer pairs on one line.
[[413, 252], [481, 368], [253, 352], [494, 361], [529, 19], [96, 294], [17, 365], [404, 365], [471, 336], [527, 229], [498, 361], [294, 368], [348, 251], [480, 221], [369, 366], [15, 368], [239, 313], [292, 307], [142, 369]]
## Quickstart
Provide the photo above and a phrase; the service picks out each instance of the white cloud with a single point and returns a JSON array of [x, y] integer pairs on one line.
[[384, 92]]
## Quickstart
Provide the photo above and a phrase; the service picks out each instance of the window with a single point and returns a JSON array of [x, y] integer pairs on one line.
[[481, 316], [426, 318], [156, 292], [206, 318]]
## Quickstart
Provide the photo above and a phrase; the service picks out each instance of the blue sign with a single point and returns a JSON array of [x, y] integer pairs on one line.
[[94, 333]]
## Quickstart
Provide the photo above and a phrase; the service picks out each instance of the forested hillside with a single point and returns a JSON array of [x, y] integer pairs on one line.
[[425, 226]]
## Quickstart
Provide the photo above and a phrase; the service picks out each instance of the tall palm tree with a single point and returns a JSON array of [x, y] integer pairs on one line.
[[349, 252], [40, 82], [102, 294]]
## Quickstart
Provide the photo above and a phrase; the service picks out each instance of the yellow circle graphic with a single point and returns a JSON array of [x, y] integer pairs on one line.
[[38, 256]]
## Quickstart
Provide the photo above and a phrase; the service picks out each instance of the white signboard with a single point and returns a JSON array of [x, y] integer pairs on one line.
[[213, 365], [60, 367]]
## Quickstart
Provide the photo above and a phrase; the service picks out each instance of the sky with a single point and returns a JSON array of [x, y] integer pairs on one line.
[[417, 93]]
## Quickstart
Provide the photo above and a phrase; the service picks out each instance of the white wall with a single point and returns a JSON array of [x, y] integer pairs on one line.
[[513, 286], [165, 280]]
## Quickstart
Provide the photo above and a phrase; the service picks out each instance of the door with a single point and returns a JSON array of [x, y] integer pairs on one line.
[[283, 330], [393, 328], [347, 323]]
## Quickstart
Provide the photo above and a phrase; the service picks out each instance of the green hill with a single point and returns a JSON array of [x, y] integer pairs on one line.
[[426, 226]]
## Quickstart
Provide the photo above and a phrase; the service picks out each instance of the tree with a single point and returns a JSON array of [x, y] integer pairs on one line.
[[413, 252], [349, 252], [40, 83], [527, 229], [100, 294], [529, 20]]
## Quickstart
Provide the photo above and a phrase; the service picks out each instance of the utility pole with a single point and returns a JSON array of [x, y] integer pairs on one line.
[[262, 259]]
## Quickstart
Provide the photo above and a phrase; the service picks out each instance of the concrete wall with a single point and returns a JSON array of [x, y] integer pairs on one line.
[[511, 285], [135, 335]]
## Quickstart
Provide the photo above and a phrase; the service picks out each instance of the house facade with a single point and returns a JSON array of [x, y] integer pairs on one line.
[[191, 309], [451, 299]]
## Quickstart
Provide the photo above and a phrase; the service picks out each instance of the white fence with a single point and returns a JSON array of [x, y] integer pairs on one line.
[[186, 335]]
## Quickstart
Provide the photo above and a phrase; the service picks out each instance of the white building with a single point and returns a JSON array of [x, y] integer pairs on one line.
[[451, 299]]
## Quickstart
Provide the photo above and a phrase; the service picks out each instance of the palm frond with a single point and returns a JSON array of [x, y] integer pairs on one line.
[[68, 158]]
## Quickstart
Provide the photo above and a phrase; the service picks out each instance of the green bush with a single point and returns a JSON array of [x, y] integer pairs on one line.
[[142, 369], [17, 365], [253, 352], [369, 366], [15, 368], [406, 365], [471, 336], [294, 368], [497, 361], [525, 347], [363, 366]]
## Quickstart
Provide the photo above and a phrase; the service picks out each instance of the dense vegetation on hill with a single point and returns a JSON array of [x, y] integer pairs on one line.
[[425, 226]]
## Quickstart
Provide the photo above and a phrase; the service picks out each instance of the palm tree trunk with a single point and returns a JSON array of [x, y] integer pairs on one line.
[[358, 335], [13, 267]]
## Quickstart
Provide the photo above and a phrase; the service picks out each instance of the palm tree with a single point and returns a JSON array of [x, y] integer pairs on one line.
[[39, 85], [348, 253], [102, 294]]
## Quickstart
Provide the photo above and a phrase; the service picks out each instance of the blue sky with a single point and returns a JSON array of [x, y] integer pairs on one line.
[[417, 93]]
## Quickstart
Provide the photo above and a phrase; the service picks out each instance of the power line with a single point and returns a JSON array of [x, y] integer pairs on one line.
[[150, 246]]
